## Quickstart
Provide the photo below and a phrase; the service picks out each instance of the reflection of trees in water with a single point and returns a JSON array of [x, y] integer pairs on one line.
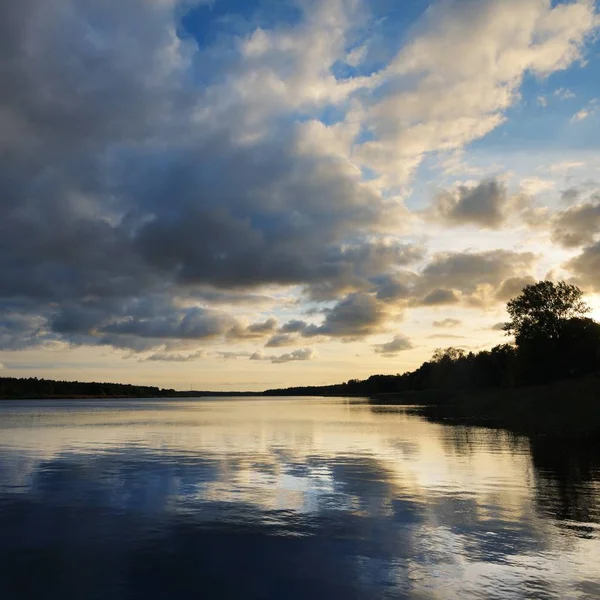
[[567, 471], [567, 474], [463, 440]]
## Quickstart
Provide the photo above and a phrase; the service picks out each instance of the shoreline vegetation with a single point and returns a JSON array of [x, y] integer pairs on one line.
[[565, 409], [545, 384]]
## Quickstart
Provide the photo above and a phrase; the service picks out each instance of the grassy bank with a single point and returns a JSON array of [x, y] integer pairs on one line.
[[564, 409]]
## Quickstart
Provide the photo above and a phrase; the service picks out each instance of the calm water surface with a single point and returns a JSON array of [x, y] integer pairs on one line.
[[286, 499]]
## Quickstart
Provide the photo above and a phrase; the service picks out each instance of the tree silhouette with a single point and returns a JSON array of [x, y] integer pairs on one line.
[[542, 309]]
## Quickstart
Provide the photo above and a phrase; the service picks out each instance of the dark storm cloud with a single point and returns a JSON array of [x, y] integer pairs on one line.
[[399, 343], [484, 205], [112, 190], [21, 330]]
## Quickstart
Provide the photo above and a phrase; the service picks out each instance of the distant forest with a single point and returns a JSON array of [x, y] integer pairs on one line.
[[32, 387], [553, 340]]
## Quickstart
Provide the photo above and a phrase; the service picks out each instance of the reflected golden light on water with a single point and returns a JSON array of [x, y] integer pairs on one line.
[[417, 457], [469, 500]]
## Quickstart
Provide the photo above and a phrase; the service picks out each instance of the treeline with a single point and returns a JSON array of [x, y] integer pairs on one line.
[[32, 387], [553, 341]]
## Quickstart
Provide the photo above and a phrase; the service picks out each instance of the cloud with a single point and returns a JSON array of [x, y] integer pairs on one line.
[[446, 336], [294, 326], [466, 271], [452, 83], [281, 339], [143, 324], [497, 327], [355, 316], [487, 204], [231, 297], [578, 225], [535, 185], [19, 330], [447, 323], [398, 344], [113, 92], [512, 287], [586, 267], [395, 286], [193, 324], [155, 189], [254, 330], [229, 355], [354, 268], [580, 115], [564, 93], [176, 357], [587, 111], [301, 354], [440, 296], [483, 205], [566, 166], [570, 195]]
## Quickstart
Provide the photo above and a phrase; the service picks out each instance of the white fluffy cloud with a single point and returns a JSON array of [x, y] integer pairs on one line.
[[454, 81]]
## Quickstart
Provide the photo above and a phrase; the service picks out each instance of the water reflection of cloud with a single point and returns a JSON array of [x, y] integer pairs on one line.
[[403, 508]]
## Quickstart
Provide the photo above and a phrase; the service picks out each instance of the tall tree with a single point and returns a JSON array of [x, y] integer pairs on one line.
[[542, 309]]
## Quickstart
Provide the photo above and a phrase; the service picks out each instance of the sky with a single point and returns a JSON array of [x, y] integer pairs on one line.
[[245, 195]]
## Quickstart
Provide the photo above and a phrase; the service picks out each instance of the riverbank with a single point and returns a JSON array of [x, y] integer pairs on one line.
[[564, 409]]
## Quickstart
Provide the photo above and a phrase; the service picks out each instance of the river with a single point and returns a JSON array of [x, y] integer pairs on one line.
[[287, 499]]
